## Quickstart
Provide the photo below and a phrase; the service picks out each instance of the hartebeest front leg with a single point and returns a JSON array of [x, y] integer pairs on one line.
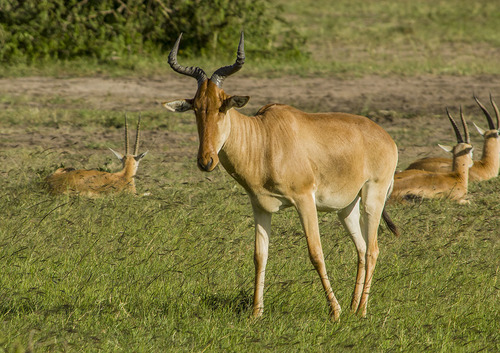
[[309, 218], [262, 231]]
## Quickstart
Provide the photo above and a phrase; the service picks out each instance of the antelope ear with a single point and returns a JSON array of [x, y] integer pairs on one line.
[[237, 102], [140, 156], [481, 131], [117, 154], [180, 106], [446, 148]]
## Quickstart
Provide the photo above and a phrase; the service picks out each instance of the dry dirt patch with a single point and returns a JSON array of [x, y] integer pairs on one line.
[[421, 96]]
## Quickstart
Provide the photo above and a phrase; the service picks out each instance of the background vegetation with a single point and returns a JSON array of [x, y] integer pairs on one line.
[[113, 30], [132, 37]]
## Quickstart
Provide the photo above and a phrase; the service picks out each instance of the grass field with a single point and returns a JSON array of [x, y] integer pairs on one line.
[[173, 271]]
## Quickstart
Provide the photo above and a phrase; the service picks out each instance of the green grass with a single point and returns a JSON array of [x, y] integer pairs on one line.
[[173, 271], [347, 37]]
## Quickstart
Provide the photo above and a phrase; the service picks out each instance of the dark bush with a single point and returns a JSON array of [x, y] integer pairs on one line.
[[33, 30]]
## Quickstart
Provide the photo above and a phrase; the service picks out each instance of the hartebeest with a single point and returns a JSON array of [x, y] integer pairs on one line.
[[485, 168], [284, 157], [414, 183], [93, 182]]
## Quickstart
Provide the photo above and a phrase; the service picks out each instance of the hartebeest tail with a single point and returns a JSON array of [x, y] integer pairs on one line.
[[485, 168], [95, 183], [413, 183], [284, 157]]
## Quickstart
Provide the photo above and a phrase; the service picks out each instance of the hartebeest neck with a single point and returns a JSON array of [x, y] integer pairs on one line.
[[244, 145], [129, 167], [491, 149], [462, 161]]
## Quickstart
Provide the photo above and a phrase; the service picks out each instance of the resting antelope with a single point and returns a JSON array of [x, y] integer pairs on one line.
[[284, 157], [485, 168], [93, 182], [424, 184]]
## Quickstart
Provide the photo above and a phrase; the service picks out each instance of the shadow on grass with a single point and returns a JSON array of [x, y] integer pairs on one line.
[[239, 303]]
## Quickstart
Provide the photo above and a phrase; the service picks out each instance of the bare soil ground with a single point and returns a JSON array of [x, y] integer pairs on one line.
[[421, 94], [423, 97]]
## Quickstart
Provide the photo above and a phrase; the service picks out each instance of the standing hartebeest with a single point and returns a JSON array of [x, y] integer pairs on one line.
[[284, 157], [413, 183], [89, 182], [485, 168]]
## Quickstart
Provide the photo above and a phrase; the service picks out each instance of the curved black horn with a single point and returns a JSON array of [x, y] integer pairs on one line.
[[219, 76], [455, 127], [192, 71], [464, 124], [136, 146], [497, 113], [488, 116]]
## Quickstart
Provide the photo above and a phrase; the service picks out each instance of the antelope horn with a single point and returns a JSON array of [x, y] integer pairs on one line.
[[488, 116], [126, 135], [455, 127], [192, 71], [497, 113], [220, 75], [464, 124], [136, 146]]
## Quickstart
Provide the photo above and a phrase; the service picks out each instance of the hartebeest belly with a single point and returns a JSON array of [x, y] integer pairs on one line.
[[324, 154]]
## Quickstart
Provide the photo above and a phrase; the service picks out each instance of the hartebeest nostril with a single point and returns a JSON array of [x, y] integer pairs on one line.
[[205, 167]]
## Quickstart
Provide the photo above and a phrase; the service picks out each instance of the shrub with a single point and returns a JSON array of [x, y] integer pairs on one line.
[[33, 30]]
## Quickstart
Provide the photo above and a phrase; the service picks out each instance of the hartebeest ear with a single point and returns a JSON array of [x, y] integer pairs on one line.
[[237, 102], [181, 105], [481, 131], [446, 148]]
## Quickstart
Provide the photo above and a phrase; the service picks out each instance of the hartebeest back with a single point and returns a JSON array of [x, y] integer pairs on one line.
[[413, 183], [485, 168], [93, 182], [284, 157]]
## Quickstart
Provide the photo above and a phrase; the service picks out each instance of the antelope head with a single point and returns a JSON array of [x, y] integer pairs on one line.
[[131, 160], [493, 131], [463, 147], [210, 104]]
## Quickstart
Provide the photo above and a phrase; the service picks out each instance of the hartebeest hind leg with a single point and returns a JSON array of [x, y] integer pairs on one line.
[[373, 197], [306, 208], [262, 231], [350, 219]]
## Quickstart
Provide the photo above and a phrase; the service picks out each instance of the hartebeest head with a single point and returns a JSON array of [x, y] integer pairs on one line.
[[493, 131], [131, 160], [210, 105], [463, 146]]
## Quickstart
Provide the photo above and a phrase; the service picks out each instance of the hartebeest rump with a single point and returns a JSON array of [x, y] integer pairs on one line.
[[284, 157], [413, 183], [485, 168], [91, 183]]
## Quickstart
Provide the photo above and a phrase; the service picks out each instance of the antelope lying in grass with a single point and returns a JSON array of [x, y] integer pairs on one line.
[[485, 168], [424, 184], [93, 182], [284, 157]]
